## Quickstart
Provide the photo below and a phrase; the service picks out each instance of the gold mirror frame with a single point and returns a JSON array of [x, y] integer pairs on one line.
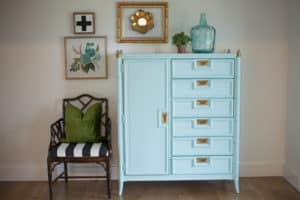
[[142, 6], [138, 18]]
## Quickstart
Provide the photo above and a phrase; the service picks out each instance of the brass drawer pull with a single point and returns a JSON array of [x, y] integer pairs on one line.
[[202, 102], [202, 141], [202, 121], [164, 117], [202, 160], [202, 83], [202, 63]]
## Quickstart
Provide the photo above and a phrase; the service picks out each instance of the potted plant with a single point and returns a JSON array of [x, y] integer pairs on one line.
[[180, 40]]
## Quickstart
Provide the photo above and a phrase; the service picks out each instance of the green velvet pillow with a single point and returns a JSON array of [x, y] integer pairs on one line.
[[82, 127]]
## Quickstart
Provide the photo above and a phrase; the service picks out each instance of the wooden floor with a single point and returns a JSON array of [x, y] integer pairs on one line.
[[273, 188]]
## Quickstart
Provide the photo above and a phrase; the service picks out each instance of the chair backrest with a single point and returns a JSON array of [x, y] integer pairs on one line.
[[84, 101]]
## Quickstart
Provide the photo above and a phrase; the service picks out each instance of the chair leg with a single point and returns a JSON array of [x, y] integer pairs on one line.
[[66, 171], [49, 179], [108, 178]]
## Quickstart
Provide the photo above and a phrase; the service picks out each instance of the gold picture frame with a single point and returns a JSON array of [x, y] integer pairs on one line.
[[85, 57], [153, 33]]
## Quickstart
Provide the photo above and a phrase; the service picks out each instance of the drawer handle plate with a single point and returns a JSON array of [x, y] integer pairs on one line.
[[202, 141], [164, 117], [202, 82], [202, 102], [202, 63], [201, 160], [202, 121]]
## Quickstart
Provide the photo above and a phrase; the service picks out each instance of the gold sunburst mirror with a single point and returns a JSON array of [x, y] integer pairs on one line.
[[141, 21]]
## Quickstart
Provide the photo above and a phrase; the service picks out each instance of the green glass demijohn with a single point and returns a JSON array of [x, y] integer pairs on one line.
[[203, 37]]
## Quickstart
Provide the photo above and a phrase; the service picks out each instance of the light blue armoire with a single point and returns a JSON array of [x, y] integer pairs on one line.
[[179, 117]]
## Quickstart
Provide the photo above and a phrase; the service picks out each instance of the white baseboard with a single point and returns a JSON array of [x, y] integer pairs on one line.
[[23, 173], [257, 169], [292, 177], [39, 173]]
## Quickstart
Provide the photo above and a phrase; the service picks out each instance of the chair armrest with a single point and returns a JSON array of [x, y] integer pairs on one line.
[[57, 132]]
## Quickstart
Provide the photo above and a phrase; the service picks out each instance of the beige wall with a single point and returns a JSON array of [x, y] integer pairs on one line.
[[292, 167], [32, 81]]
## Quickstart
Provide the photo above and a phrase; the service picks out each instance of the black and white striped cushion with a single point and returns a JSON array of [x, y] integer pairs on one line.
[[79, 150]]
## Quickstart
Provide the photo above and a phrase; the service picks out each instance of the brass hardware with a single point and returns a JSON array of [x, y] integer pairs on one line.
[[202, 141], [164, 117], [202, 82], [202, 102], [227, 51], [202, 121], [119, 53], [202, 63], [202, 160], [238, 53]]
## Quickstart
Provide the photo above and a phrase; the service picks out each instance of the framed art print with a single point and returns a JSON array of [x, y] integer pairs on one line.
[[142, 22], [84, 22], [85, 57]]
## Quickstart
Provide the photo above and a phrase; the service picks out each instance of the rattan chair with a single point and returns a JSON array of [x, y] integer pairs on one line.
[[99, 153]]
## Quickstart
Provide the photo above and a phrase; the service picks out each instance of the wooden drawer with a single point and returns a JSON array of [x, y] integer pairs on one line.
[[193, 68], [203, 127], [185, 88], [202, 146], [202, 165], [203, 107]]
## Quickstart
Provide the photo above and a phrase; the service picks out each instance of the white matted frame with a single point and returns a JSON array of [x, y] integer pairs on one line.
[[85, 57], [84, 23], [159, 33]]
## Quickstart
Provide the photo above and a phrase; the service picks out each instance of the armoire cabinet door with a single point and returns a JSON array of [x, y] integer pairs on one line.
[[146, 116]]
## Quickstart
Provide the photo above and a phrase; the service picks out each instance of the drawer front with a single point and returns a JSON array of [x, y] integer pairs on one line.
[[193, 68], [202, 146], [203, 108], [203, 127], [202, 165], [185, 88]]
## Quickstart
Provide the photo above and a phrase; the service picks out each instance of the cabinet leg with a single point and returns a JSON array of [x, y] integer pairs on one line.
[[237, 186], [121, 185]]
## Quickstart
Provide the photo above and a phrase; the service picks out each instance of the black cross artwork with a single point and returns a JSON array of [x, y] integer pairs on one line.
[[83, 23]]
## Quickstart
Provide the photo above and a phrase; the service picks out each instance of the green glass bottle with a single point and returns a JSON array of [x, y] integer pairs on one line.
[[203, 36]]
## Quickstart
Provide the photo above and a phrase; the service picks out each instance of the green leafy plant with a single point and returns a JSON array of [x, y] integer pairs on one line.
[[180, 39]]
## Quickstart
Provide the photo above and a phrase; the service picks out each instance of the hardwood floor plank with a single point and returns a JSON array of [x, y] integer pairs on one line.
[[265, 188]]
